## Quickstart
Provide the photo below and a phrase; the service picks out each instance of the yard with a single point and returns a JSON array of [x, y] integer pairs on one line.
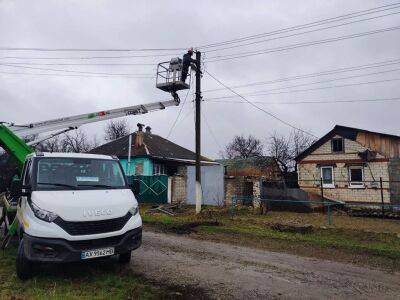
[[361, 241], [209, 243], [103, 279]]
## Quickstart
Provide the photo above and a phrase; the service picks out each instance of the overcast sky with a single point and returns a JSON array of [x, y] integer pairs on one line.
[[180, 24]]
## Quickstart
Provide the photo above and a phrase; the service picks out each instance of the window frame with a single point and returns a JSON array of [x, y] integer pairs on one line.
[[160, 167], [27, 173], [356, 184], [34, 173], [338, 138], [327, 185]]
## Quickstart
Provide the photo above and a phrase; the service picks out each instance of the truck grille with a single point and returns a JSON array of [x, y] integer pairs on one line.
[[104, 242], [93, 227], [91, 244]]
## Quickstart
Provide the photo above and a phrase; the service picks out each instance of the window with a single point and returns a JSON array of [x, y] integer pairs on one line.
[[28, 172], [65, 173], [139, 168], [356, 177], [327, 177], [337, 145], [158, 169]]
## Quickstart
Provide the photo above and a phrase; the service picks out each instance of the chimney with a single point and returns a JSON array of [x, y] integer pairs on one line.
[[139, 136], [148, 129]]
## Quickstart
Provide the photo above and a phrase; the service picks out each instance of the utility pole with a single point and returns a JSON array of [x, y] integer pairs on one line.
[[198, 132]]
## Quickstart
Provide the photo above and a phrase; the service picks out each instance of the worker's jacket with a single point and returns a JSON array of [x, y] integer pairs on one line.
[[187, 60]]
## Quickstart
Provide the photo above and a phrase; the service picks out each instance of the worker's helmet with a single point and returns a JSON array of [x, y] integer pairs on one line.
[[190, 50]]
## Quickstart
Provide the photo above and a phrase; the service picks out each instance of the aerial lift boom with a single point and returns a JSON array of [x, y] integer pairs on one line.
[[11, 135]]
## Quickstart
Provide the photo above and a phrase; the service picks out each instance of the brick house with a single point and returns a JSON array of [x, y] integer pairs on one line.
[[350, 162], [152, 155], [246, 176]]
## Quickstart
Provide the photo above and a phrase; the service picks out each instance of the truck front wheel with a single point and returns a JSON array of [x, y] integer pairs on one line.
[[125, 258], [23, 265]]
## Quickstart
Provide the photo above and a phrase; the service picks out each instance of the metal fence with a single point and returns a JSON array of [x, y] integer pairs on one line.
[[325, 207], [374, 198], [376, 191]]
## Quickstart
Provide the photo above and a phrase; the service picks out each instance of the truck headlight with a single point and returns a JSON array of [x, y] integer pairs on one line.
[[42, 214], [134, 210]]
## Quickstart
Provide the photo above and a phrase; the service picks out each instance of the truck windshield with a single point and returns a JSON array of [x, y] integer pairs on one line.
[[78, 174]]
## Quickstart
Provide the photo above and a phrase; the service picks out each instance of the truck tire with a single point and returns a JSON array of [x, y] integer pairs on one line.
[[23, 265], [125, 258]]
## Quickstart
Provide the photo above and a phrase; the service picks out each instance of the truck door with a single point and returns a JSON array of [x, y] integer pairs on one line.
[[26, 181]]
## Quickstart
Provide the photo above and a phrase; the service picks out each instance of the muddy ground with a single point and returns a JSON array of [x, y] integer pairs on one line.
[[224, 271]]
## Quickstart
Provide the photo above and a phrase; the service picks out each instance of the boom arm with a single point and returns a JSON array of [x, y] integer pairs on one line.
[[11, 136], [14, 145]]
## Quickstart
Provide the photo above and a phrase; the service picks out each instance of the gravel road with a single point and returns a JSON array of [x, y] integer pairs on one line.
[[225, 271]]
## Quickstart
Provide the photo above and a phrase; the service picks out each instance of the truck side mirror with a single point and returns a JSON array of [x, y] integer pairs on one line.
[[135, 187]]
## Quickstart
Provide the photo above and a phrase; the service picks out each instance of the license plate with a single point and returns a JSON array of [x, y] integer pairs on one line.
[[97, 253]]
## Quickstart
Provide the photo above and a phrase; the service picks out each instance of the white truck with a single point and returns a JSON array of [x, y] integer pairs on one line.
[[74, 207]]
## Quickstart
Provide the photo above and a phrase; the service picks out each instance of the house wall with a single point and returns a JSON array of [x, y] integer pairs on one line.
[[233, 186], [137, 163], [212, 182], [178, 185], [309, 174], [237, 185]]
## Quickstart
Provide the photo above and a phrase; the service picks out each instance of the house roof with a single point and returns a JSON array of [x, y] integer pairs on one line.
[[344, 131], [253, 166], [153, 145]]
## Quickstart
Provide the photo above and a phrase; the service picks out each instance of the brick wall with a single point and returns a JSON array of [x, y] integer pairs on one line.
[[233, 186], [309, 174], [178, 186]]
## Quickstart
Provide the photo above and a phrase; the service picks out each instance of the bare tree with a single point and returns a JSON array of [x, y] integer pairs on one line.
[[50, 145], [279, 147], [95, 142], [76, 141], [286, 148], [116, 129], [244, 147], [300, 142]]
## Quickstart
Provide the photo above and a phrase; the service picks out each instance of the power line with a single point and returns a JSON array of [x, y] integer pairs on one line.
[[74, 71], [76, 64], [41, 49], [190, 111], [311, 89], [69, 75], [313, 102], [326, 81], [212, 133], [298, 45], [213, 45], [297, 27], [259, 108], [89, 57], [311, 75], [301, 33], [180, 110]]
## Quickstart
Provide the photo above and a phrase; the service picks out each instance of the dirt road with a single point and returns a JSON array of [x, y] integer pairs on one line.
[[227, 271]]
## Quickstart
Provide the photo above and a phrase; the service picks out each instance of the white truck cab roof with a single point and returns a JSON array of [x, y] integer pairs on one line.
[[68, 155]]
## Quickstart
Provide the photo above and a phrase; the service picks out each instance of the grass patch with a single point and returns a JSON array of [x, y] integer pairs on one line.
[[101, 279], [367, 241]]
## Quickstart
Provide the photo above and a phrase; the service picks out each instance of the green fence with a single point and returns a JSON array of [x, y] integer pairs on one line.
[[153, 189]]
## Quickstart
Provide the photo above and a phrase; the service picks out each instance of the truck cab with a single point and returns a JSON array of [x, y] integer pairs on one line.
[[74, 207]]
